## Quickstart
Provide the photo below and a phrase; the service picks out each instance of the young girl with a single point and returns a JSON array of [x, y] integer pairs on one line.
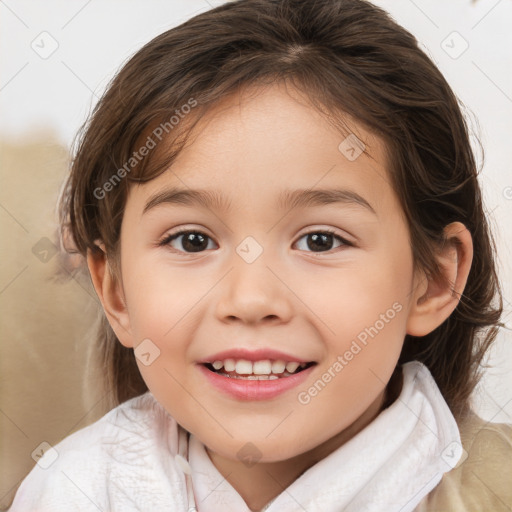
[[278, 206]]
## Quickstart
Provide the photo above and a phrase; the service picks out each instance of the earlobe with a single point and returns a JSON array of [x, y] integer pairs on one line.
[[434, 300], [110, 293]]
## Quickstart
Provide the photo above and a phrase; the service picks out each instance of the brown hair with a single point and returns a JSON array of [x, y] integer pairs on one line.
[[347, 57]]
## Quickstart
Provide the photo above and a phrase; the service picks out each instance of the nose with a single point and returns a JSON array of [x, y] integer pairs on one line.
[[254, 292]]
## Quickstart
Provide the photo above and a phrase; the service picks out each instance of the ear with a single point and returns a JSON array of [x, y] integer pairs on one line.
[[110, 293], [434, 301]]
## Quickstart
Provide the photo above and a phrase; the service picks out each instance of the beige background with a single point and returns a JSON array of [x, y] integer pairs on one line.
[[48, 389]]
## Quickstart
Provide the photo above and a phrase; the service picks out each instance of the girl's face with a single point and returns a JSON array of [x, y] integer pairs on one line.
[[302, 248]]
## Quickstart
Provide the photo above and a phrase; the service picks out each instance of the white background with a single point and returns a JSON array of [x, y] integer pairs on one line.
[[95, 37]]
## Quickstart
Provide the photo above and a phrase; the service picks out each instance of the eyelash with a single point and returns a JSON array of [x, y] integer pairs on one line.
[[172, 236]]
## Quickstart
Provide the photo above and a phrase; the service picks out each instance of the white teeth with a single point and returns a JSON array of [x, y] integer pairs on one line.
[[291, 367], [229, 365], [262, 377], [278, 366], [243, 367], [264, 368], [252, 377]]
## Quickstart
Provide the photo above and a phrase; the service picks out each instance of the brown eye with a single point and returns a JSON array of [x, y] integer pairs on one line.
[[187, 241], [322, 241]]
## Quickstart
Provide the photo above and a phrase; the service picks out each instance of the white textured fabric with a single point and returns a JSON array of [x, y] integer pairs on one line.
[[137, 458]]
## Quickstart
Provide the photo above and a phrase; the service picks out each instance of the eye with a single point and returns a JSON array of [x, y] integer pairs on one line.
[[192, 241], [321, 241]]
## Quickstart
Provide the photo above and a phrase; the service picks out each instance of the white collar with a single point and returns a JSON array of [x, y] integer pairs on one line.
[[392, 464]]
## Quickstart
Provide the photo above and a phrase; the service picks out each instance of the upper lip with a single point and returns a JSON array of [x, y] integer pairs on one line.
[[253, 355]]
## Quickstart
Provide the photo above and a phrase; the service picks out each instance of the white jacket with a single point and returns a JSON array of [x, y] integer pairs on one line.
[[137, 458]]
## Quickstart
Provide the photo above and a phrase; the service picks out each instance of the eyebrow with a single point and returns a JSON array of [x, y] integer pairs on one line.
[[287, 200]]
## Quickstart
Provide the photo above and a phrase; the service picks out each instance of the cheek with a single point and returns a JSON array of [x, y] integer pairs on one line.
[[165, 308], [160, 303], [160, 298], [349, 300], [363, 320], [363, 317]]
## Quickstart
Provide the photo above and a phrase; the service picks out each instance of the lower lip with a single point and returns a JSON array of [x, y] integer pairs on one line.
[[245, 389]]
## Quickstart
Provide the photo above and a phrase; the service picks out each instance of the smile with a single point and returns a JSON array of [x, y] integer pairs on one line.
[[255, 380]]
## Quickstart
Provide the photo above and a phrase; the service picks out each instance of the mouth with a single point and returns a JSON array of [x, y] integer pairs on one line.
[[255, 380], [243, 369]]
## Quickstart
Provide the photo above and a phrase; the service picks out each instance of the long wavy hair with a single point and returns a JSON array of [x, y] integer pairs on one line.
[[348, 57]]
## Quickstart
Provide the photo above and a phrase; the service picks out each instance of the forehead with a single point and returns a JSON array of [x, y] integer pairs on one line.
[[269, 142]]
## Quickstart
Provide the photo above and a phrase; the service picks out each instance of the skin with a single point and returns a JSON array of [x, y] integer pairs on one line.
[[303, 301]]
